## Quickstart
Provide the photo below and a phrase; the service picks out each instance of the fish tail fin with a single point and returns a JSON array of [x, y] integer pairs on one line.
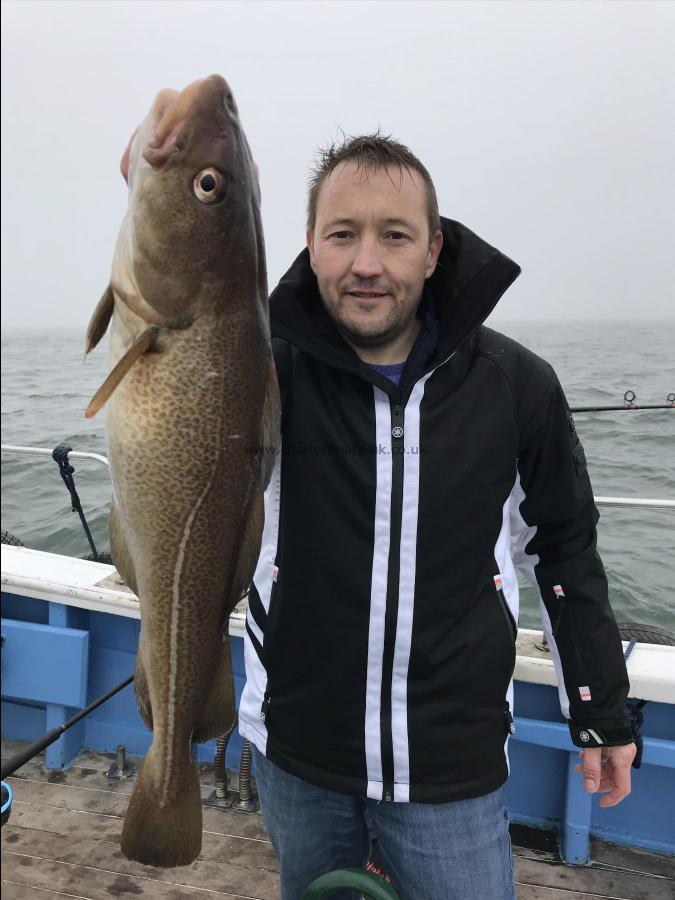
[[217, 715], [164, 828]]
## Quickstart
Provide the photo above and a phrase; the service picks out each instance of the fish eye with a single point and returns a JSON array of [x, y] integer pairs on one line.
[[208, 185]]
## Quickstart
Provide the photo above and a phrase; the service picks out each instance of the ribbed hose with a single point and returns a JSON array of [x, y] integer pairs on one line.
[[219, 768], [245, 773]]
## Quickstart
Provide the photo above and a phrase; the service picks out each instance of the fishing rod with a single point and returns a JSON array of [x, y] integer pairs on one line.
[[629, 399], [19, 759]]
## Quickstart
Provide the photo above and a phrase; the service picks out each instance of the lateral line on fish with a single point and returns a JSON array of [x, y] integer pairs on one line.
[[174, 629]]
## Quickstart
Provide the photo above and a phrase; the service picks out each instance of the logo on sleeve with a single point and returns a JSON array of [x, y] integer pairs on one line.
[[585, 736]]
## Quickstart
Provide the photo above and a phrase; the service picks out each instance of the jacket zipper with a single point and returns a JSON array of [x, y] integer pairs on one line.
[[397, 408], [391, 614], [560, 597]]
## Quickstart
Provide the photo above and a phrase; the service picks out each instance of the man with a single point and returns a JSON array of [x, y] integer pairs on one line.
[[423, 455]]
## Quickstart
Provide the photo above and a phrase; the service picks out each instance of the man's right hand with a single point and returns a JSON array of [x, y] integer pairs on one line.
[[607, 770]]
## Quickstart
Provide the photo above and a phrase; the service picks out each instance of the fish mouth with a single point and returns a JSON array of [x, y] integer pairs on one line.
[[172, 110], [169, 113]]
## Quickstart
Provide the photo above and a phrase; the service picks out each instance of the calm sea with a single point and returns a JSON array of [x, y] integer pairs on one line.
[[46, 387]]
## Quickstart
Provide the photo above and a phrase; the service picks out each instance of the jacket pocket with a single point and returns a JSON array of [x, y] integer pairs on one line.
[[265, 707], [508, 615], [270, 643], [272, 624]]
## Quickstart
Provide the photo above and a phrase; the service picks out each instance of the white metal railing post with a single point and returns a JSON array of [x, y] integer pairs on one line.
[[44, 451], [634, 503]]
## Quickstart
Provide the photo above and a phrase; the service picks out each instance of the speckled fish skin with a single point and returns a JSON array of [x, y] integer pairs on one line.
[[185, 427]]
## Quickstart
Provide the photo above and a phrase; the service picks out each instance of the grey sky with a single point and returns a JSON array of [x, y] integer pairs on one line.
[[547, 127]]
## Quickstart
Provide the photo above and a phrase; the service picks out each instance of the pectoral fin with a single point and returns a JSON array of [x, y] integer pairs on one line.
[[100, 319], [102, 395]]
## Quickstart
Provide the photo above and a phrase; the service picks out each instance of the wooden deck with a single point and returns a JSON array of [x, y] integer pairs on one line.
[[63, 841]]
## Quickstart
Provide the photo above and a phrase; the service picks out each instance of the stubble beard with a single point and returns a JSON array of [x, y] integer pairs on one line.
[[373, 334]]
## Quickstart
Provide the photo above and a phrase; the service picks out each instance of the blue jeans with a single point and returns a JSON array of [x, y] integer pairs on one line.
[[431, 851]]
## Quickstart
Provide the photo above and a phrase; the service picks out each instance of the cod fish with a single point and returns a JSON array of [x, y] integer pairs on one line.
[[192, 425]]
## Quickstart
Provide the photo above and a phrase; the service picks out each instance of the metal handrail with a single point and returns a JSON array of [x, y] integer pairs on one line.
[[624, 502], [43, 451], [634, 503]]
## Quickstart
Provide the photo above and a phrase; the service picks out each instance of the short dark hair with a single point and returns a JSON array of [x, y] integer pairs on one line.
[[370, 151]]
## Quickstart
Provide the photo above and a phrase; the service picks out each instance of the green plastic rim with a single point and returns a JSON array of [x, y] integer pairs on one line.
[[370, 885]]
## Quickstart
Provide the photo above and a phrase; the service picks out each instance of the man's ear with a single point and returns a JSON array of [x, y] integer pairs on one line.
[[310, 246], [434, 253]]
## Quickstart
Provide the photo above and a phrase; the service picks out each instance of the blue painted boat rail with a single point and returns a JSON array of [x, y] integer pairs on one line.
[[543, 789], [655, 752]]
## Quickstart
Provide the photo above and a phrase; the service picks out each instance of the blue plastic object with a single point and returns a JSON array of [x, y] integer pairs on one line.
[[6, 802]]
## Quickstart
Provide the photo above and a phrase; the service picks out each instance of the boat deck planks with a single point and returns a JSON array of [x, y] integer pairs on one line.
[[63, 841]]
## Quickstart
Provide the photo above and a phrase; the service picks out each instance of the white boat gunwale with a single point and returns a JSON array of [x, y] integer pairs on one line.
[[95, 586]]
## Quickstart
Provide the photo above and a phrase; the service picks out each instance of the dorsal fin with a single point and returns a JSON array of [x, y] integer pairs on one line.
[[137, 349], [100, 319]]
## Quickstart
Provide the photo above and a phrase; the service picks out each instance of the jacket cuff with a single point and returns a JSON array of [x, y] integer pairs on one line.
[[605, 733]]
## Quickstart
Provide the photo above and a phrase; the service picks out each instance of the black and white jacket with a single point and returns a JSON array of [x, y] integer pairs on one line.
[[382, 617]]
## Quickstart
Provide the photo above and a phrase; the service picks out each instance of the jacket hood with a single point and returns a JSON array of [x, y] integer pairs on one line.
[[469, 279]]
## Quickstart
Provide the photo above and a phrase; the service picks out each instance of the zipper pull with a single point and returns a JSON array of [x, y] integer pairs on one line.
[[397, 428], [265, 707], [510, 724], [387, 797]]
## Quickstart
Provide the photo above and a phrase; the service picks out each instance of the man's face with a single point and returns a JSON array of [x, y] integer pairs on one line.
[[371, 252]]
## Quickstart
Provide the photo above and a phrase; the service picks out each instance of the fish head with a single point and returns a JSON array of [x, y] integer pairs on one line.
[[192, 237]]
